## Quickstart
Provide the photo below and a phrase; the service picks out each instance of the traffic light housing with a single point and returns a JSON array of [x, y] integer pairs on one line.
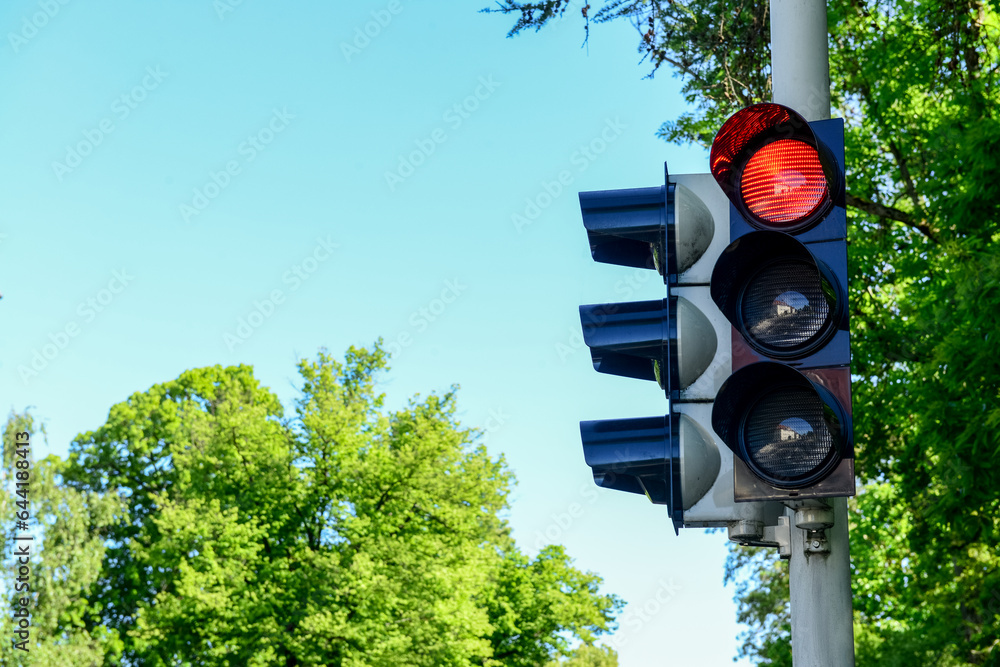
[[680, 342], [782, 284], [751, 344]]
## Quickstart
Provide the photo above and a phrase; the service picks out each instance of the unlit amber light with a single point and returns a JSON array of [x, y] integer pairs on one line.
[[783, 182]]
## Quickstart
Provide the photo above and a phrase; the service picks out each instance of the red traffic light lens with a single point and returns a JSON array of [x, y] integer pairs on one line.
[[774, 169], [783, 183]]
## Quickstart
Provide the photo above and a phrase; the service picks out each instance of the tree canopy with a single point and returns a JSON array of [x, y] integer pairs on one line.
[[916, 83], [200, 525]]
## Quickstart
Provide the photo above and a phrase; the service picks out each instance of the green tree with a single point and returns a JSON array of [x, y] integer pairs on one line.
[[762, 591], [536, 605], [344, 535], [588, 655], [916, 83]]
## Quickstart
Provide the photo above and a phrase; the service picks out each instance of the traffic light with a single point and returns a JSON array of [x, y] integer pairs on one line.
[[751, 345], [785, 412], [681, 342]]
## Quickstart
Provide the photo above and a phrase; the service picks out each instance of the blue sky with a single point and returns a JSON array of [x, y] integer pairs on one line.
[[201, 183]]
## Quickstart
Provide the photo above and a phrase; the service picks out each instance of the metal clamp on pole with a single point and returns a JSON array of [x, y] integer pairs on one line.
[[755, 534], [813, 520]]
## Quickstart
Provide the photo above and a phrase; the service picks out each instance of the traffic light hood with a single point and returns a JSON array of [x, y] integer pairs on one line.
[[670, 459], [666, 228], [634, 340]]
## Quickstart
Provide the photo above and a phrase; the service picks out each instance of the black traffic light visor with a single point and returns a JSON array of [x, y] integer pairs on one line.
[[631, 455], [626, 227], [627, 339]]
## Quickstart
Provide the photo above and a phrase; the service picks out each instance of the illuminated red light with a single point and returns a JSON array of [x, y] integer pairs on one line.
[[783, 182]]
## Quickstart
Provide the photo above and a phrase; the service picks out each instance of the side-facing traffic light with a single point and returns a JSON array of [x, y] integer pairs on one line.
[[681, 342], [782, 284]]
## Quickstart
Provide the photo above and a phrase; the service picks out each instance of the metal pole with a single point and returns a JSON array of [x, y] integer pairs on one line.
[[819, 574], [800, 58], [819, 579]]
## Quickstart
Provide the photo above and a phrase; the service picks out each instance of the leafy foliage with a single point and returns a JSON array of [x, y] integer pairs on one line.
[[589, 656], [916, 83], [536, 604], [223, 533], [718, 47], [762, 590]]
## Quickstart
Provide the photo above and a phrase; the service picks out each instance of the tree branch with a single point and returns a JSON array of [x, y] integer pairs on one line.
[[904, 172], [880, 211]]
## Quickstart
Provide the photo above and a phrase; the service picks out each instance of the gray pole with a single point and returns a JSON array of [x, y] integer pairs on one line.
[[819, 574], [819, 579], [800, 59]]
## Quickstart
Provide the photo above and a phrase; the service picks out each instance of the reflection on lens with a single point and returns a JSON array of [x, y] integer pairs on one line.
[[783, 183], [786, 435], [784, 306]]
